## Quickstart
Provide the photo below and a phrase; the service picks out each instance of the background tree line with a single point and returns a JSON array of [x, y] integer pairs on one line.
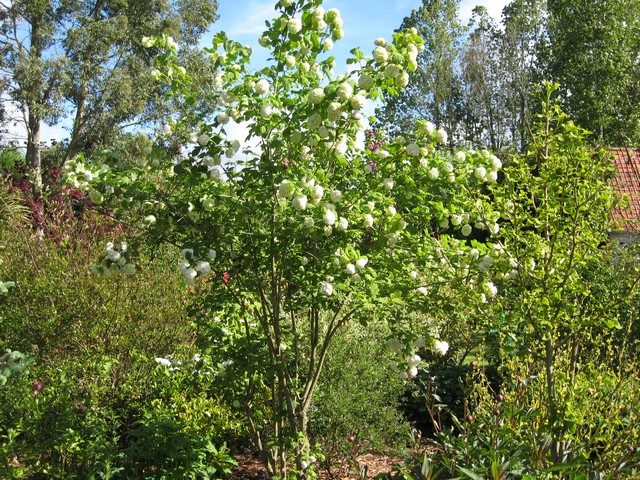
[[476, 80]]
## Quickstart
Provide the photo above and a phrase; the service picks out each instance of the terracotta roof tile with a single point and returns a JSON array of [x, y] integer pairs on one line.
[[627, 182]]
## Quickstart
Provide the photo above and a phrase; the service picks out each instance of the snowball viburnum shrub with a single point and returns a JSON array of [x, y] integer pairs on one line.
[[300, 188]]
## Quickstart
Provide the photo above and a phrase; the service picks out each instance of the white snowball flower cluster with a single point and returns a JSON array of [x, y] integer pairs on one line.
[[79, 175], [233, 148], [441, 347], [316, 96], [114, 261], [326, 288], [169, 362]]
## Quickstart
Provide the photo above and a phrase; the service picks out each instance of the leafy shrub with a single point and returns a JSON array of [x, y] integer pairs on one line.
[[93, 401], [356, 408]]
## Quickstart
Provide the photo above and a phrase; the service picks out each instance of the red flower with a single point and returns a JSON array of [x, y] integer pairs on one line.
[[225, 277], [37, 386]]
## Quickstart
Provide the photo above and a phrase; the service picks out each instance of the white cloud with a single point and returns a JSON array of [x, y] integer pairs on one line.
[[251, 22]]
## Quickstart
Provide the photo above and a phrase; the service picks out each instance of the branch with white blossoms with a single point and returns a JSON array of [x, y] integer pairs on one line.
[[114, 262]]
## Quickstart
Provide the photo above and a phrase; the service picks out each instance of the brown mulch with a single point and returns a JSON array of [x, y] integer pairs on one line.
[[250, 468]]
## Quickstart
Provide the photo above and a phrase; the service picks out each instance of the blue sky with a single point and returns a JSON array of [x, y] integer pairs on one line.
[[364, 21]]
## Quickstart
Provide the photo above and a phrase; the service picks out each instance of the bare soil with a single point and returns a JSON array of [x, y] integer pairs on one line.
[[250, 468]]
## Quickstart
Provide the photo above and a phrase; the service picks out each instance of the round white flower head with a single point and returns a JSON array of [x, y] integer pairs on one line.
[[402, 80], [345, 91], [286, 3], [391, 71], [290, 61], [286, 189], [264, 41], [266, 111], [448, 167], [423, 290], [441, 347], [294, 26], [323, 132], [203, 267], [316, 96], [329, 217], [393, 239], [413, 149], [216, 173], [314, 121], [392, 210], [357, 102], [208, 203], [299, 202], [433, 173], [211, 254], [327, 231], [380, 42], [150, 219], [380, 54], [480, 173], [466, 230], [494, 229], [309, 222], [495, 162], [413, 360], [262, 86], [171, 43], [326, 288], [444, 223], [388, 183], [428, 128], [491, 289], [365, 81], [351, 269], [492, 176], [442, 136], [333, 15], [335, 195], [343, 223], [203, 139], [304, 261], [189, 275], [316, 194], [368, 220], [327, 45], [223, 118], [165, 362], [318, 14], [456, 220], [361, 263]]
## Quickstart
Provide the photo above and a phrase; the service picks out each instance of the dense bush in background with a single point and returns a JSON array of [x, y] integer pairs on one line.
[[95, 403]]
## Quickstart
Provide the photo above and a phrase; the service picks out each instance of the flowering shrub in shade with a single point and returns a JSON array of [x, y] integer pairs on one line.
[[292, 233]]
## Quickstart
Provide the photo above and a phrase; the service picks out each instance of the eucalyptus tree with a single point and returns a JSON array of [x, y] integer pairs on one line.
[[84, 61]]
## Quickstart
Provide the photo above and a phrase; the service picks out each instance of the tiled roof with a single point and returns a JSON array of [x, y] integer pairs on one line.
[[627, 182]]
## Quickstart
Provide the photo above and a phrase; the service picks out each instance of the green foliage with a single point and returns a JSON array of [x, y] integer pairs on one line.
[[593, 55], [356, 407], [91, 404]]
